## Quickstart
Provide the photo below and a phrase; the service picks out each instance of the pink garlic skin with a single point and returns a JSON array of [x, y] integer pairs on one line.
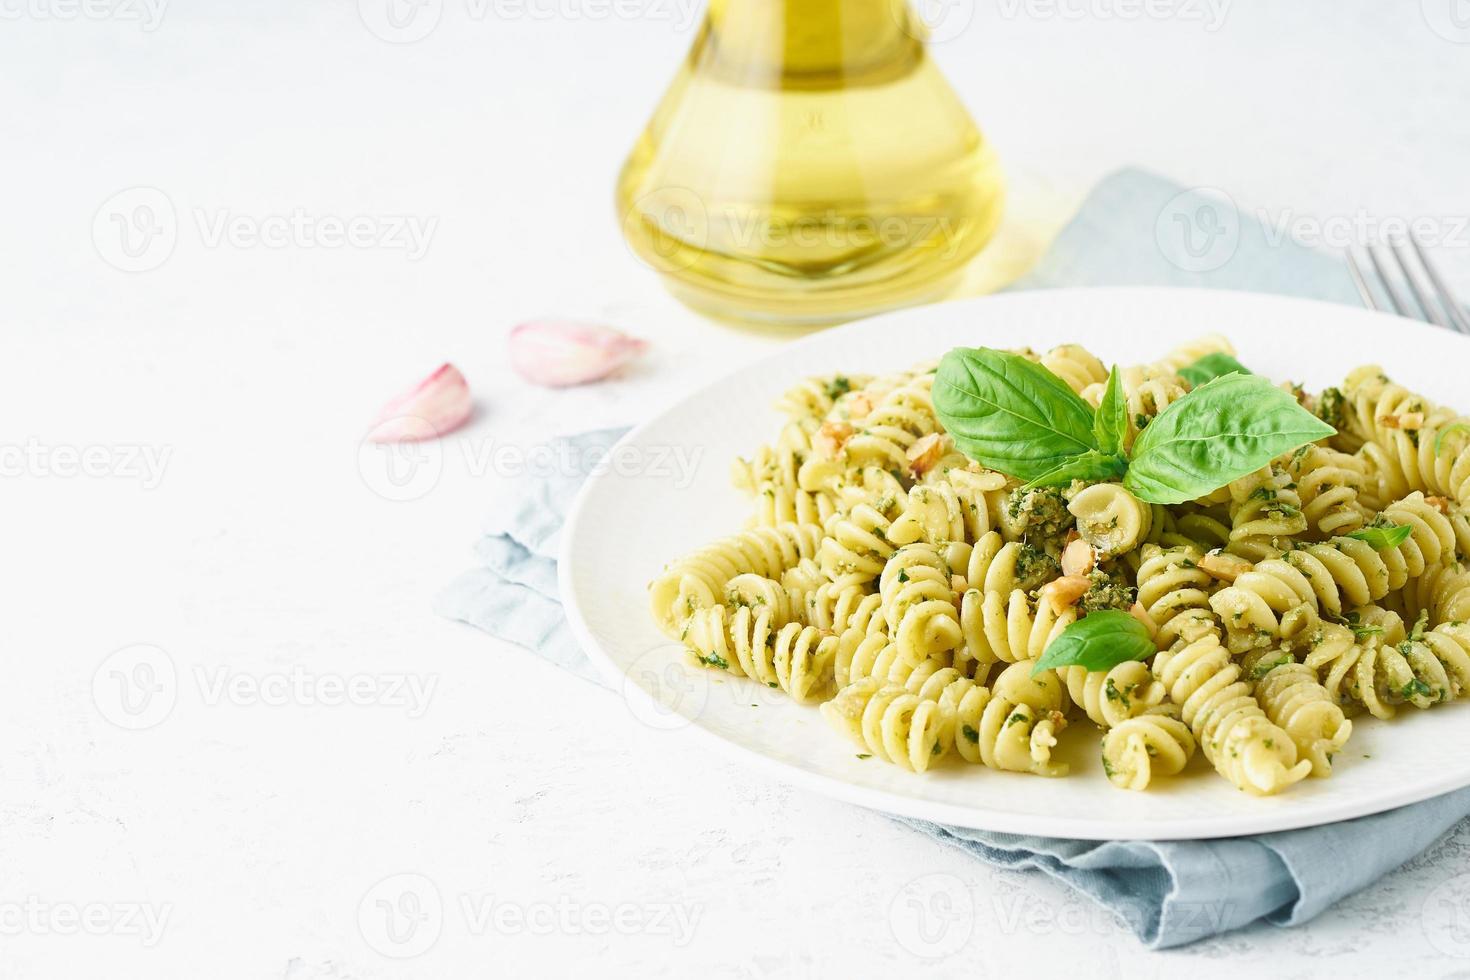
[[560, 353], [435, 406]]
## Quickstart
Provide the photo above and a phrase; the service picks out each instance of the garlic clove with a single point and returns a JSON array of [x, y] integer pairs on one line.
[[435, 406], [559, 353]]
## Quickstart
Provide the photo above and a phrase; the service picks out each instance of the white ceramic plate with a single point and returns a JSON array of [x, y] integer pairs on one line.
[[644, 511]]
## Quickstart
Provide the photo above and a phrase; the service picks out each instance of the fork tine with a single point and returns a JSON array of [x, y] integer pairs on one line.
[[1456, 313], [1431, 309], [1356, 272], [1400, 304]]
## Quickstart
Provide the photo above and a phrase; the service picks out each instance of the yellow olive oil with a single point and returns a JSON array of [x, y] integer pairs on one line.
[[808, 165]]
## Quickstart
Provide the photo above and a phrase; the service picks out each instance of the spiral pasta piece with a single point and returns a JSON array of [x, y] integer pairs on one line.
[[813, 399], [1346, 572], [856, 546], [1113, 696], [1295, 701], [1401, 434], [1175, 592], [698, 580], [901, 418], [962, 703], [1329, 484], [1110, 518], [1265, 513], [1019, 726], [1009, 629], [1347, 668], [889, 721], [918, 602], [1251, 607], [1155, 743], [915, 723], [794, 658], [765, 595], [1449, 643], [960, 508], [1186, 354], [1232, 729], [1075, 365], [838, 608]]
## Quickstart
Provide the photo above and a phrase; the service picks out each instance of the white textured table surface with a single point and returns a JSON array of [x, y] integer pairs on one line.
[[225, 515]]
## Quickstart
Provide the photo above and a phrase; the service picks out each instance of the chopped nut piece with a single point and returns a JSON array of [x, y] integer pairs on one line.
[[1441, 504], [1077, 558], [1408, 421], [1224, 567], [925, 453], [1064, 592], [859, 405], [831, 437]]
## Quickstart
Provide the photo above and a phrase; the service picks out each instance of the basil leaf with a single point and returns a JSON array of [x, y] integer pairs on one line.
[[1210, 367], [1384, 536], [1098, 641], [1010, 414], [1090, 467], [1439, 436], [1215, 434], [1110, 424]]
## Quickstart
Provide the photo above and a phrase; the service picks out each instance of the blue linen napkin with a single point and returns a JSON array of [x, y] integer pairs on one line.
[[1133, 229]]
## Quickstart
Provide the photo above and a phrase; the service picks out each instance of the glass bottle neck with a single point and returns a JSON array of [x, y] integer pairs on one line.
[[809, 44]]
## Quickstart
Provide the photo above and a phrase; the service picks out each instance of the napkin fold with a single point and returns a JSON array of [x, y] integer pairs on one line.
[[1134, 229]]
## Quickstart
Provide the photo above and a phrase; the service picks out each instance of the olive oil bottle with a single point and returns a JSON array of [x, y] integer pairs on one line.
[[808, 165]]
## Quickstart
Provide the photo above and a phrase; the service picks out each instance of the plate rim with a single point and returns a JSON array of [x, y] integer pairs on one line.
[[1275, 813]]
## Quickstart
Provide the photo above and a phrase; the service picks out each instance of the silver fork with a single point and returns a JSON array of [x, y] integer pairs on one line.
[[1443, 310]]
